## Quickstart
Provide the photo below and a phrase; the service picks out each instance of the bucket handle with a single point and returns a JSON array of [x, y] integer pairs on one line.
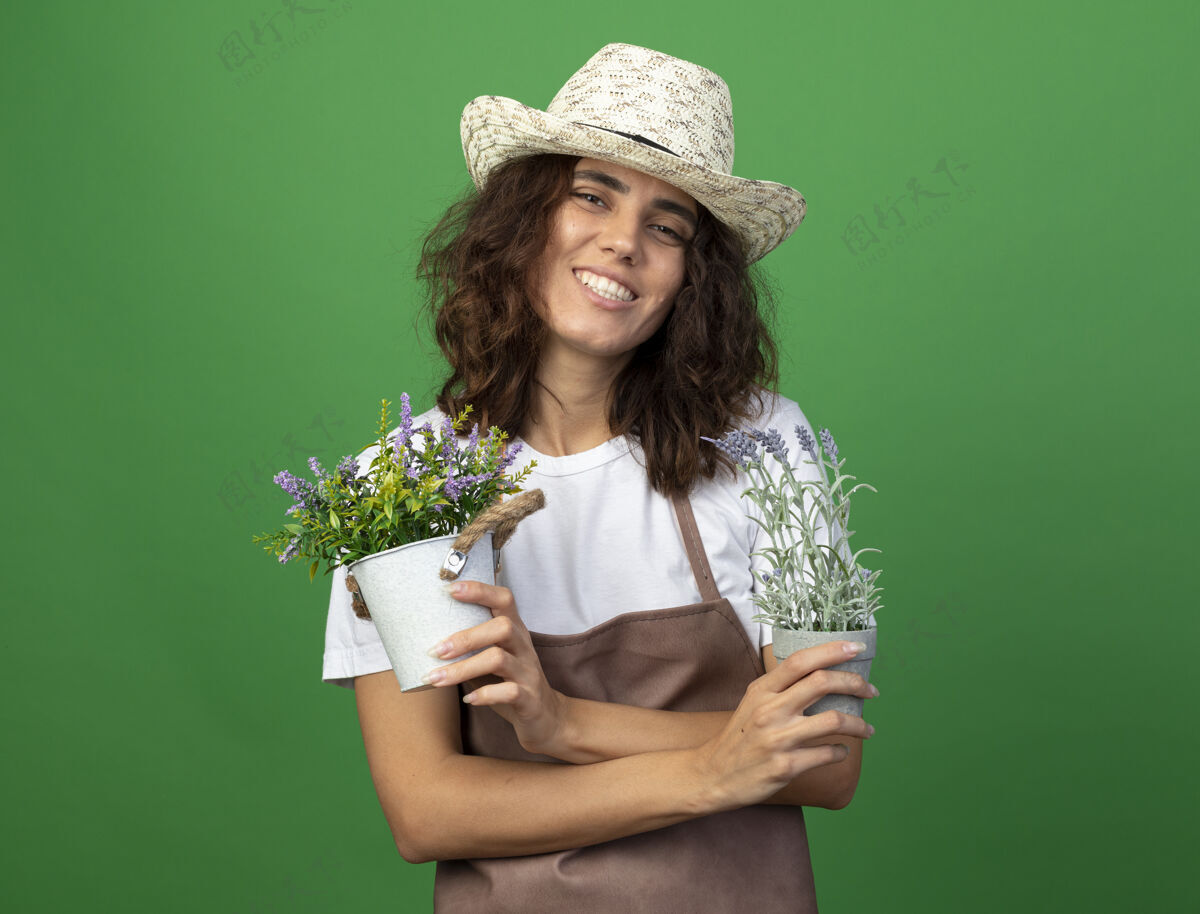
[[358, 604], [502, 519]]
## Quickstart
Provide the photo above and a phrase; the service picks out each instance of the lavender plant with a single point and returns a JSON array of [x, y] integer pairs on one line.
[[816, 583], [420, 484]]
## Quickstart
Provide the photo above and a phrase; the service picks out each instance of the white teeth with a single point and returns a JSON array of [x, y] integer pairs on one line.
[[604, 286]]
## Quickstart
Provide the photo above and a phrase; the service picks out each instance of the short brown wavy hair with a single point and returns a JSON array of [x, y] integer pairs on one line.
[[702, 371]]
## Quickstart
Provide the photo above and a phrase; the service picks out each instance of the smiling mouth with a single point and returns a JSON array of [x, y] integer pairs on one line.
[[604, 287]]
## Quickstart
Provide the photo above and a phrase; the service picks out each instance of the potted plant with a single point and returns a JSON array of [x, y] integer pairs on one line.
[[405, 526], [816, 591]]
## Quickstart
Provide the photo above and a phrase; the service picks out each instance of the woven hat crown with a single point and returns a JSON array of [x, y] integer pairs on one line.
[[679, 106], [643, 109]]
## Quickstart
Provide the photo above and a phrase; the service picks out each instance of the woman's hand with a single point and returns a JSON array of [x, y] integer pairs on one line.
[[524, 698], [767, 741]]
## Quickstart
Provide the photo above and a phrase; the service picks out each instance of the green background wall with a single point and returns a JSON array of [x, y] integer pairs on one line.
[[206, 270]]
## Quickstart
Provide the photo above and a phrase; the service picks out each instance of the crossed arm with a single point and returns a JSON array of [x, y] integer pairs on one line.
[[633, 769]]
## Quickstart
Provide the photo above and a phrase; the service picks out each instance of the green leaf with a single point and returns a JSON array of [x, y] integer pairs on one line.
[[312, 571], [293, 528], [334, 520]]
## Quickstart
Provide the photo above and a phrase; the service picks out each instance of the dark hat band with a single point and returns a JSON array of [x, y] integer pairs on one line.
[[631, 136]]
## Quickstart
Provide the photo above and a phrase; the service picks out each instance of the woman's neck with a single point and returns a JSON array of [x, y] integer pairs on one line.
[[569, 412]]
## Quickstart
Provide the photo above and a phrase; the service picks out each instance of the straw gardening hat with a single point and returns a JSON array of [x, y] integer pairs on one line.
[[657, 114]]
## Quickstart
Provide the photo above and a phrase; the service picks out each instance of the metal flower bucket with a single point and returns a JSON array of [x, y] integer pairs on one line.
[[410, 606], [403, 590]]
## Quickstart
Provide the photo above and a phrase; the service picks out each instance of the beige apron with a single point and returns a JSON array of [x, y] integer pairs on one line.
[[690, 658]]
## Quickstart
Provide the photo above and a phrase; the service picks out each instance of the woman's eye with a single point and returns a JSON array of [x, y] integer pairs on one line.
[[588, 197], [668, 232]]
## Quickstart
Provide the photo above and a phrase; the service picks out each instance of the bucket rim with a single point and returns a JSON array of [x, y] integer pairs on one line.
[[448, 540]]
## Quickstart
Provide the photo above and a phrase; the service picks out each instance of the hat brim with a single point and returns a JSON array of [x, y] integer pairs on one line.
[[496, 129]]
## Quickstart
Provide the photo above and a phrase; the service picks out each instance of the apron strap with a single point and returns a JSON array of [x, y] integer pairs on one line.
[[694, 547]]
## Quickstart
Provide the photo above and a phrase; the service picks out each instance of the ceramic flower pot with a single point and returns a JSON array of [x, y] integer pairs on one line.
[[410, 606], [786, 642]]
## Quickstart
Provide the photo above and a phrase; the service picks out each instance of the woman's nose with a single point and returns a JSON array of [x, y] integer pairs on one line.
[[622, 236]]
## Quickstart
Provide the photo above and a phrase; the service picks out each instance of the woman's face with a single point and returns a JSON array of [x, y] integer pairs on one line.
[[614, 261]]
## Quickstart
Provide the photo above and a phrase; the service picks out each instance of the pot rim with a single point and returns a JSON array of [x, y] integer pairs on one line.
[[448, 539]]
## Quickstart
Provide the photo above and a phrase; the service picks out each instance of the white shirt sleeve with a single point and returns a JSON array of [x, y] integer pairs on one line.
[[352, 645]]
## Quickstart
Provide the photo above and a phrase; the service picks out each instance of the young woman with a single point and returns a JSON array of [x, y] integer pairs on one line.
[[625, 739]]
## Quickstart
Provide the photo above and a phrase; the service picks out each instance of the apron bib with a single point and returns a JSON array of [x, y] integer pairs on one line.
[[687, 658]]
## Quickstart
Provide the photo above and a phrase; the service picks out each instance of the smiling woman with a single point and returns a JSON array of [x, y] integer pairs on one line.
[[613, 264], [487, 267], [623, 739]]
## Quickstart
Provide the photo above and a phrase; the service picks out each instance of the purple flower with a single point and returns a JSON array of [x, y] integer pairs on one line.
[[510, 455], [454, 486], [477, 480], [405, 417], [405, 434], [347, 469], [738, 446], [772, 441], [300, 489], [457, 486], [292, 550], [317, 469], [806, 441], [829, 444]]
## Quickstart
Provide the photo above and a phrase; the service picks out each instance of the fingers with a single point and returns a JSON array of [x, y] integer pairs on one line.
[[817, 756], [500, 642], [760, 751], [505, 621], [814, 686], [793, 764], [804, 662], [781, 696], [498, 693], [818, 684], [499, 630], [498, 599], [494, 662], [784, 714], [826, 724]]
